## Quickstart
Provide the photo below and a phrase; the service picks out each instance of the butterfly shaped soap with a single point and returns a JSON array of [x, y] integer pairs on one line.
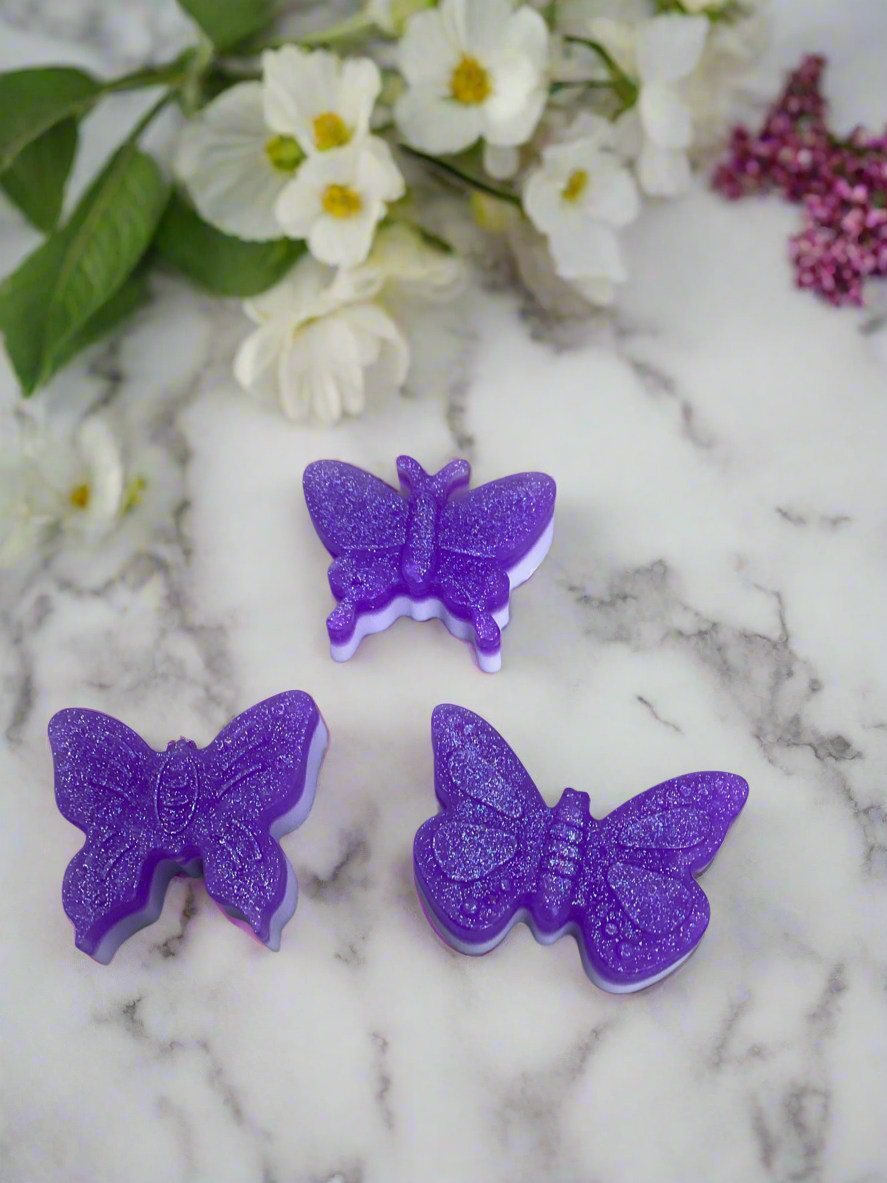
[[624, 885], [216, 811], [431, 550]]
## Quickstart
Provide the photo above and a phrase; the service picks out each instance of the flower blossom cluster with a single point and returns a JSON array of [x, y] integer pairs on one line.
[[840, 182], [561, 117], [339, 183]]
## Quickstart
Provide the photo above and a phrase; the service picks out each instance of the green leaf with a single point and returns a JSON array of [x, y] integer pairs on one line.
[[129, 297], [220, 263], [58, 289], [227, 22], [32, 101], [36, 180]]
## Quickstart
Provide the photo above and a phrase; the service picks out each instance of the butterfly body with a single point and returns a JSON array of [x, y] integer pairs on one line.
[[623, 885], [216, 811], [430, 551], [178, 786]]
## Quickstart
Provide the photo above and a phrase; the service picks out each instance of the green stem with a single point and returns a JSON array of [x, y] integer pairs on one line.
[[150, 115], [170, 74], [341, 31], [450, 170], [578, 84], [626, 88]]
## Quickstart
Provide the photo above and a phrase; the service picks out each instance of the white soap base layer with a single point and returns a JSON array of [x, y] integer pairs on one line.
[[524, 916], [432, 608], [168, 869]]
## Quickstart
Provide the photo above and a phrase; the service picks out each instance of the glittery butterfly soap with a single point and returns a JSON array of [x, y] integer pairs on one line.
[[433, 550], [623, 885], [216, 811]]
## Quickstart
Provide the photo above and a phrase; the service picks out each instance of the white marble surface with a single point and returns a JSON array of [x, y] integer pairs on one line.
[[715, 597]]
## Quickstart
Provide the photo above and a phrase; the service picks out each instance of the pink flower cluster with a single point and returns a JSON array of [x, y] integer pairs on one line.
[[842, 184]]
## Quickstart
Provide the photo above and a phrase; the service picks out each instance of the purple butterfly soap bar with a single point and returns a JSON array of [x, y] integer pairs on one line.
[[623, 886], [215, 811], [431, 550]]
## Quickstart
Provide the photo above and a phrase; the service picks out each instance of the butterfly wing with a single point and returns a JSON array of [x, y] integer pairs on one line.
[[258, 775], [476, 861], [362, 522], [104, 784], [644, 912], [491, 540]]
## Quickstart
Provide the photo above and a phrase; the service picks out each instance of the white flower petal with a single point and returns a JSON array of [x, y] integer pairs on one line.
[[665, 116], [519, 125], [596, 291], [257, 354], [360, 88], [376, 333], [612, 196], [336, 368], [222, 160], [593, 252], [501, 162], [669, 47], [618, 37], [542, 200], [376, 171], [436, 125], [514, 80], [481, 23], [293, 386], [663, 172], [342, 242], [593, 130], [526, 32], [401, 260], [282, 87], [429, 51], [628, 134], [298, 205]]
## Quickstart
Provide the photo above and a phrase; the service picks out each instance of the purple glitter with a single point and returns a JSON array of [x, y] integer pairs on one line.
[[432, 550], [623, 886], [216, 811]]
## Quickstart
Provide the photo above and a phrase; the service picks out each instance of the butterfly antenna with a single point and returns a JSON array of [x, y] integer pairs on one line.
[[451, 477], [413, 477]]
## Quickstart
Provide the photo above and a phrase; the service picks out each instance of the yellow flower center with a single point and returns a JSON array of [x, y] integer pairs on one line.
[[284, 153], [330, 131], [341, 202], [79, 496], [470, 83], [576, 185]]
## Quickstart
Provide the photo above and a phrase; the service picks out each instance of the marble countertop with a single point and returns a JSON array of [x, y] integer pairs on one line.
[[714, 597]]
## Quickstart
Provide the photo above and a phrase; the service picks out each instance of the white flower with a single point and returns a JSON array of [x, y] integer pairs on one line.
[[239, 154], [402, 260], [668, 48], [234, 165], [317, 337], [712, 90], [474, 69], [337, 199], [316, 98], [46, 485], [501, 161], [660, 54], [579, 193]]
